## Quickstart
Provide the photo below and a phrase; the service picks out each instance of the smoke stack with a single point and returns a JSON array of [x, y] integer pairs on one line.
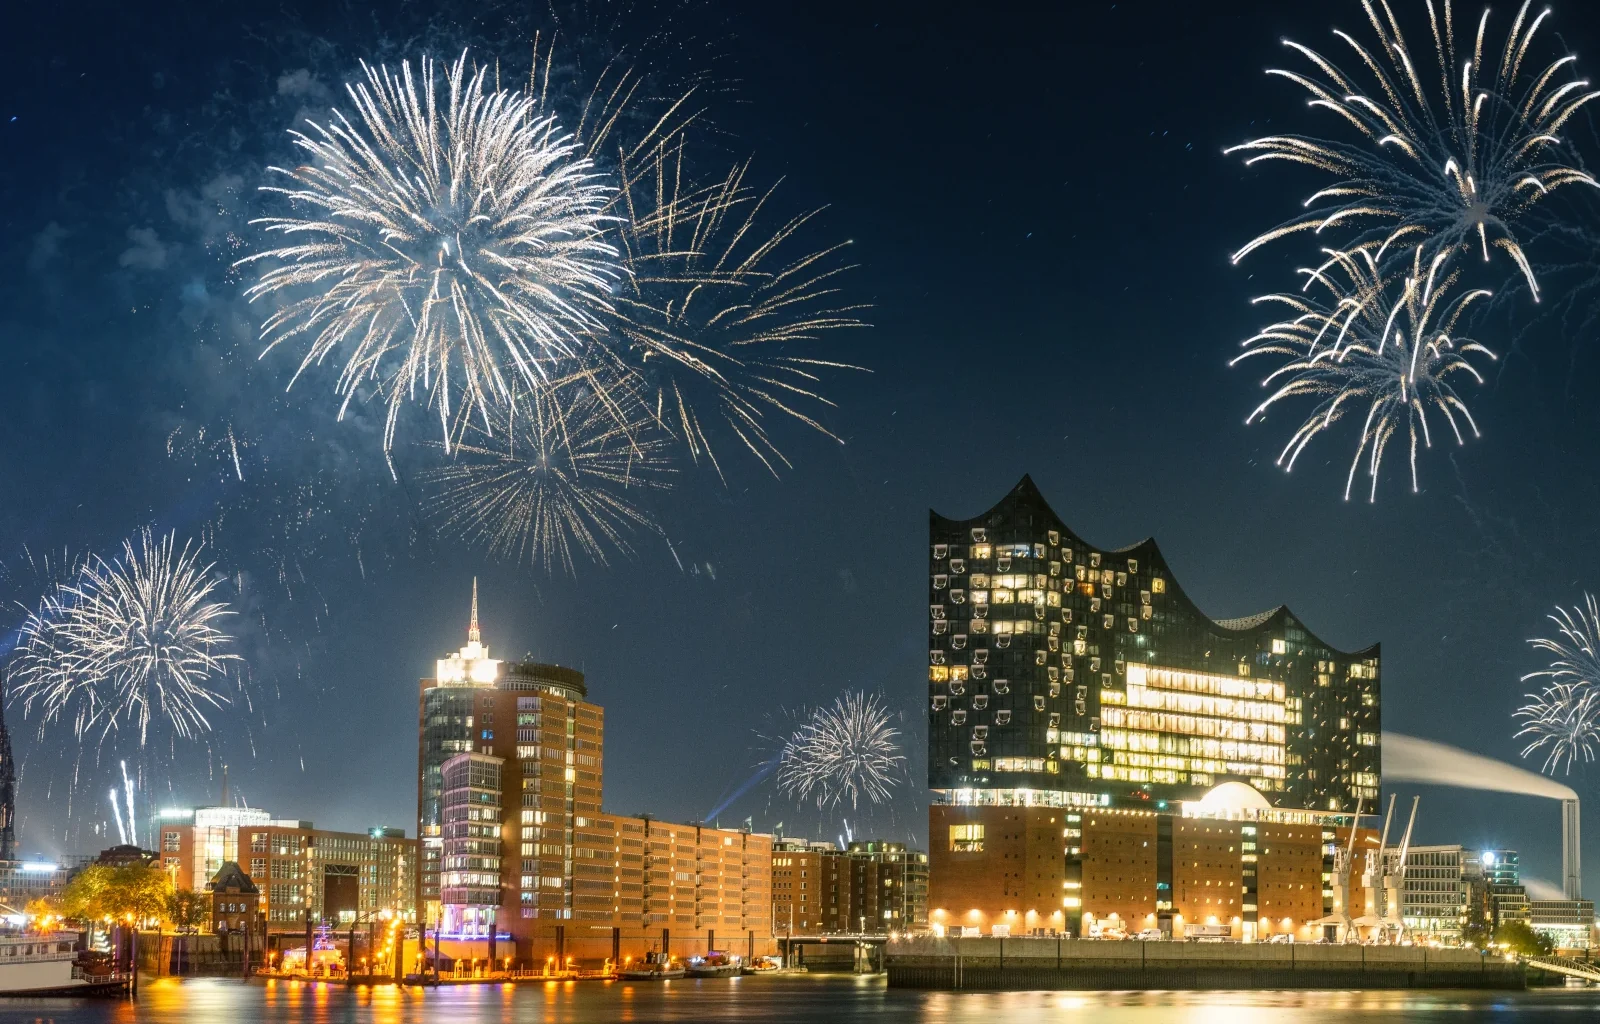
[[1408, 759], [1571, 870]]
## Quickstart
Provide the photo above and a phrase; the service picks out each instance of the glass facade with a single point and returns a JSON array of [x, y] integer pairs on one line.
[[1064, 674], [470, 868]]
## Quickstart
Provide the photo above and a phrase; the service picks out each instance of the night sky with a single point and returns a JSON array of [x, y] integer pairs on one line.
[[1041, 216]]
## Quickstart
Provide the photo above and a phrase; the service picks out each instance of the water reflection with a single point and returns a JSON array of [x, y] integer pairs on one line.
[[834, 999]]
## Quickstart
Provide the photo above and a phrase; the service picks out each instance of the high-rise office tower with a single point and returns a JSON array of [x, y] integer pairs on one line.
[[519, 863], [535, 719]]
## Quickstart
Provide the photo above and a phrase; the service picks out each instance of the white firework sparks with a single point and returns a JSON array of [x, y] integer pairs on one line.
[[719, 314], [1377, 343], [1451, 168], [127, 643], [1563, 719], [848, 749], [442, 248], [564, 473], [1562, 722]]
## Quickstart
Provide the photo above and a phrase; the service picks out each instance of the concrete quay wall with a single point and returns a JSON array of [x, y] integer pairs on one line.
[[1048, 963]]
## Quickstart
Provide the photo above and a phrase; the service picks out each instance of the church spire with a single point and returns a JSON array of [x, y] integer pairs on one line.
[[473, 636]]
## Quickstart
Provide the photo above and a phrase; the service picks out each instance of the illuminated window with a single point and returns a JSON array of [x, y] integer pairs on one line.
[[966, 838], [1279, 647]]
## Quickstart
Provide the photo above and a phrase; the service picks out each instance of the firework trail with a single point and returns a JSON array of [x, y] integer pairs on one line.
[[130, 642], [716, 310], [1562, 720], [1374, 342], [443, 248], [848, 749], [558, 475], [1445, 169], [717, 313]]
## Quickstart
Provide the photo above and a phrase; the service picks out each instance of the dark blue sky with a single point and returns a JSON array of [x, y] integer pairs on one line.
[[1041, 216]]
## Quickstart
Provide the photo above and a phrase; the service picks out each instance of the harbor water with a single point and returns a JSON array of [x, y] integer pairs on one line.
[[790, 999]]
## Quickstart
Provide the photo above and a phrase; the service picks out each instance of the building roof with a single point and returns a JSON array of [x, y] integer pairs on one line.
[[1025, 497], [231, 878]]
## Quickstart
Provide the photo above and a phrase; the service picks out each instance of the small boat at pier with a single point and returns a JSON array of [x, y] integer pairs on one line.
[[715, 964], [654, 967]]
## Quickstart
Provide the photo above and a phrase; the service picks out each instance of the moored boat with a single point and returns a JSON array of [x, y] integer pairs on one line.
[[715, 964], [654, 967], [47, 964]]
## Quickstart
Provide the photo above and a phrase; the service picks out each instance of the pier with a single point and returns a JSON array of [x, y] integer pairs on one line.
[[1062, 963]]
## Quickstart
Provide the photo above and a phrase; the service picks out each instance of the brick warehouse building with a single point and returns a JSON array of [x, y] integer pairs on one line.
[[517, 853], [1103, 756]]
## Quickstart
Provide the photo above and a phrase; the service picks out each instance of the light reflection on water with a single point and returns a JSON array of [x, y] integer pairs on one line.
[[836, 999]]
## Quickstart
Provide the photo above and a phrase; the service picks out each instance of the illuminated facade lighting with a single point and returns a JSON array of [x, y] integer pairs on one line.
[[1061, 675]]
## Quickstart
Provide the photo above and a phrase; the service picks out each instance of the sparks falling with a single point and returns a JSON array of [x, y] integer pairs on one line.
[[1446, 169], [442, 248], [1377, 343], [130, 643], [1562, 719], [717, 320], [564, 474], [846, 750]]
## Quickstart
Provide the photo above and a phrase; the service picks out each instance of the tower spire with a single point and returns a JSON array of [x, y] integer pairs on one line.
[[473, 636]]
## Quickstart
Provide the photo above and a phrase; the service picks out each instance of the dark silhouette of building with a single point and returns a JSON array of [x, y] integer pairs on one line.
[[125, 855], [8, 789]]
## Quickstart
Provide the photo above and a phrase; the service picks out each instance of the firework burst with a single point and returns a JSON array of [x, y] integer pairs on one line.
[[848, 749], [719, 314], [128, 643], [562, 473], [446, 248], [1449, 168], [1562, 720], [1378, 343]]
